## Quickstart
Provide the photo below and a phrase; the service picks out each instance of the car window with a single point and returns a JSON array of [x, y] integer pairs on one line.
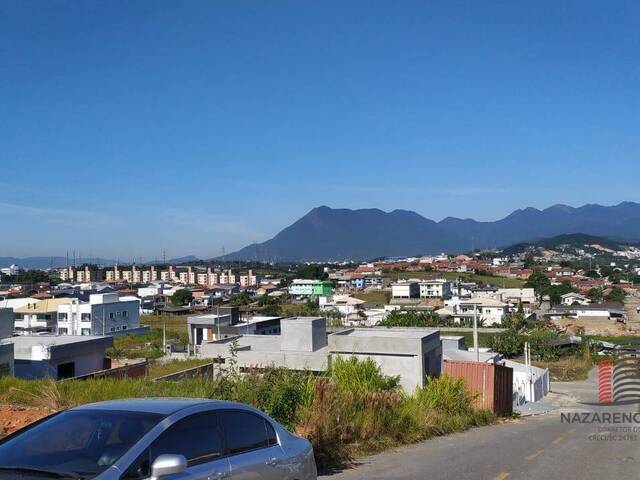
[[272, 439], [197, 437], [84, 441], [244, 431]]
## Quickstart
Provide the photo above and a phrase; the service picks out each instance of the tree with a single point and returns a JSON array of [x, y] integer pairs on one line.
[[595, 295], [270, 306], [240, 299], [605, 271], [616, 295], [509, 343], [181, 297], [555, 292], [529, 260], [515, 321], [311, 272], [539, 282], [30, 277], [413, 319]]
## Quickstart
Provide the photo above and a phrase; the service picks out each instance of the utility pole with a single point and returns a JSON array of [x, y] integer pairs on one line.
[[218, 320], [475, 332]]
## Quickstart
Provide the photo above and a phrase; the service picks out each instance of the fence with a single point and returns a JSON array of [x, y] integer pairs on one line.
[[201, 371], [492, 383], [132, 370]]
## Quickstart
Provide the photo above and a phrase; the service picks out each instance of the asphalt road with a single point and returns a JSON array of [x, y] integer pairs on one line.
[[540, 447]]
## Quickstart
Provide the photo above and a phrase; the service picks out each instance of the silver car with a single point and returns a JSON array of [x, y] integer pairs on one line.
[[155, 439]]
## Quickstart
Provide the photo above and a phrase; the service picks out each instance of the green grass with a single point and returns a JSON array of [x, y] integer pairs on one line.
[[501, 282], [173, 323], [568, 368], [148, 345], [296, 310], [157, 369], [376, 297]]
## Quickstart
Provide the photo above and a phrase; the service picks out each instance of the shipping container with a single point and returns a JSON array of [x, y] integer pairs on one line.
[[491, 383]]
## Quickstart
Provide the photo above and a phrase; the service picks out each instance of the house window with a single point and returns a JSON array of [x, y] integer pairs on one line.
[[125, 314], [124, 327], [111, 315], [62, 317], [86, 331], [85, 317], [63, 331]]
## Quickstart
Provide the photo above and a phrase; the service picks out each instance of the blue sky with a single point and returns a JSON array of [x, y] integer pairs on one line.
[[129, 127]]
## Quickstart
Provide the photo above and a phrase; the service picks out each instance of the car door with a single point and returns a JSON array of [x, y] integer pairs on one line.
[[199, 439], [252, 446]]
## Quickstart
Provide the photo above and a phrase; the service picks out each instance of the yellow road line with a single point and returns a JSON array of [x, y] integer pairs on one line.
[[557, 440], [534, 455], [502, 476]]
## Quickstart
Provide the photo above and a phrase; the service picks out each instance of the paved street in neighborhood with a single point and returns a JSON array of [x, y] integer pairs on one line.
[[538, 447]]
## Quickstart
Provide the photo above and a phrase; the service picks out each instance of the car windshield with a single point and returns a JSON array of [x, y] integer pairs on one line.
[[78, 442]]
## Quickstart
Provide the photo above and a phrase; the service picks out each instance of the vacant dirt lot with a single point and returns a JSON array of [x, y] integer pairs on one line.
[[592, 326], [14, 418]]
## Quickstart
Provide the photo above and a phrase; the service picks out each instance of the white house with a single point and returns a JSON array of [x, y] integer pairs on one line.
[[487, 310], [515, 297], [346, 305], [103, 314], [573, 298], [405, 290], [438, 288]]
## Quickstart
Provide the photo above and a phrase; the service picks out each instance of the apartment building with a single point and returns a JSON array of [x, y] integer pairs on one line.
[[438, 288], [227, 277], [40, 317], [249, 279], [187, 275], [103, 314], [84, 274], [133, 275], [149, 275]]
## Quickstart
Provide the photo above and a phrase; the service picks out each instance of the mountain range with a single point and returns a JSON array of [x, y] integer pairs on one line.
[[326, 234]]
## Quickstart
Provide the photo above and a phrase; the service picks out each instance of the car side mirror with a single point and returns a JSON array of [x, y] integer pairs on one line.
[[168, 465]]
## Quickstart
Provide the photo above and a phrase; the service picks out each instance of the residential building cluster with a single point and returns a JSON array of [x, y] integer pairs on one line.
[[189, 275]]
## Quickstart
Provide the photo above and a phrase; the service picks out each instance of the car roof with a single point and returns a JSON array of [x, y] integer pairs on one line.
[[163, 406]]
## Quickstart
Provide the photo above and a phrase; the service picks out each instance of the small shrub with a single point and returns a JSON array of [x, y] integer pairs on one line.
[[360, 377], [325, 424], [446, 395]]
